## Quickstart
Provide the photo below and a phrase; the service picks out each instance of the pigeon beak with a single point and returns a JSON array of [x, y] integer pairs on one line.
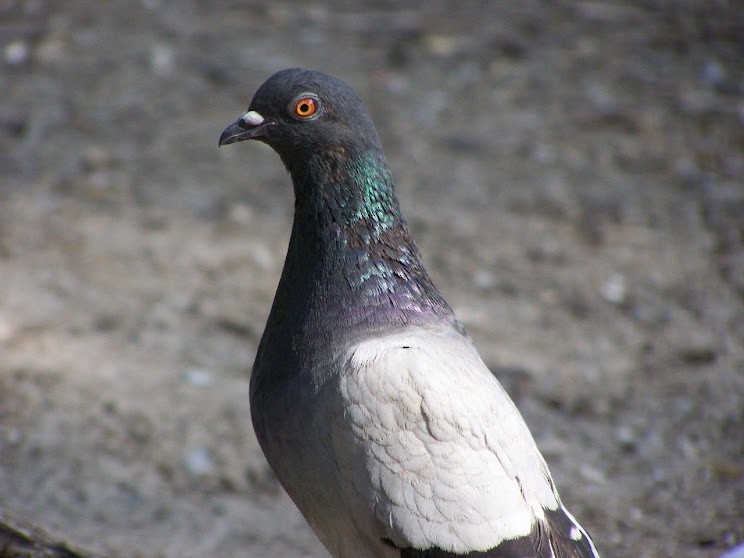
[[249, 126]]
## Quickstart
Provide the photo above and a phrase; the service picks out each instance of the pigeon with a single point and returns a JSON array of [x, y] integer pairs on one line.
[[368, 397]]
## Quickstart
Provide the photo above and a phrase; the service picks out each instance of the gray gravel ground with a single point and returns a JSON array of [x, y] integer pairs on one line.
[[572, 172]]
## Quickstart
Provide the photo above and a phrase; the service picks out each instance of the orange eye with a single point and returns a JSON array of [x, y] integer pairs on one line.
[[305, 107]]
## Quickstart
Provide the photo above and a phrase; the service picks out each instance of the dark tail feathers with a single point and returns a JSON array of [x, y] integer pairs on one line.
[[558, 536]]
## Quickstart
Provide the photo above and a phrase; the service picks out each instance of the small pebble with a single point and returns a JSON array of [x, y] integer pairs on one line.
[[100, 180], [7, 331], [199, 461], [199, 378], [162, 60], [442, 45], [614, 289], [626, 437], [13, 436], [592, 474], [53, 50], [262, 255], [397, 84], [636, 515], [96, 158], [542, 153], [713, 73], [16, 53], [658, 475], [600, 97], [241, 214], [484, 279]]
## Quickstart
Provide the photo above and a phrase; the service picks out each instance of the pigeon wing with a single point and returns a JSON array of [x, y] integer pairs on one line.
[[431, 450]]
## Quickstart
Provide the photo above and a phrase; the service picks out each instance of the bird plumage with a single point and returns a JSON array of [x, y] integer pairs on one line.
[[368, 397]]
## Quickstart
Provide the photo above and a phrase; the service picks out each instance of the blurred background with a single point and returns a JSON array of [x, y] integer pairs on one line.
[[573, 173]]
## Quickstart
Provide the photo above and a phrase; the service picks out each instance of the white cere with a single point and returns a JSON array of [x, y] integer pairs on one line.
[[252, 118]]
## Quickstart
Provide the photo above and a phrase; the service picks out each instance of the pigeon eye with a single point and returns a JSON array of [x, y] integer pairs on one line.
[[305, 107]]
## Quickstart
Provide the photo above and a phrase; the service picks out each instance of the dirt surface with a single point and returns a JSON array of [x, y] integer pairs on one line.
[[572, 172]]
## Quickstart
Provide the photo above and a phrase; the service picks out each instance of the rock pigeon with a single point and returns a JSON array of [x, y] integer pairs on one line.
[[367, 396]]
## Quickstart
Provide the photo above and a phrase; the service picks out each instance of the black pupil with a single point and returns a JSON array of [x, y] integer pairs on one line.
[[305, 107]]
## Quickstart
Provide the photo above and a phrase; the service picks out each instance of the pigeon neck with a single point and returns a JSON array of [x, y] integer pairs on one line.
[[361, 267], [352, 194]]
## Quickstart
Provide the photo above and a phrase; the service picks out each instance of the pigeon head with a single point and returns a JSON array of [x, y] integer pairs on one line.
[[304, 113], [351, 258]]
